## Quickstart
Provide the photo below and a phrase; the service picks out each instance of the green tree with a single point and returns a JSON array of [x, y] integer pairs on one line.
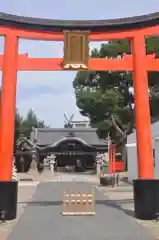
[[30, 121], [24, 126], [18, 123], [104, 99]]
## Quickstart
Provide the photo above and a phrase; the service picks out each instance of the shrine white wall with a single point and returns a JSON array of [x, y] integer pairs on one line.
[[132, 153]]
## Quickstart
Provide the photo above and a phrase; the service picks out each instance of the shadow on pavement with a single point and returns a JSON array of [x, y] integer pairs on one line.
[[110, 203], [42, 203], [117, 205]]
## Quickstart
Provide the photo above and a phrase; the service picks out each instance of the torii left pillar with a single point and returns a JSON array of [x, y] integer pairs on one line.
[[8, 188]]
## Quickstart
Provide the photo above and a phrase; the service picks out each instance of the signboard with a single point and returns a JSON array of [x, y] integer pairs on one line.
[[76, 50], [72, 153]]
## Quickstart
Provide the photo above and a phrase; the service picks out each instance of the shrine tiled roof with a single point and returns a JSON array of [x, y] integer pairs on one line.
[[48, 136], [91, 25]]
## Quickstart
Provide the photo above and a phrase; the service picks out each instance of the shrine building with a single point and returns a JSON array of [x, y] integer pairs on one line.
[[75, 147]]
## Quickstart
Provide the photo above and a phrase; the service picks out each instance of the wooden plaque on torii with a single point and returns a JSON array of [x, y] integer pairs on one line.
[[76, 52]]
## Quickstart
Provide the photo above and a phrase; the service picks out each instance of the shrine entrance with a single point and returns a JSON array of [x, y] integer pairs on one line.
[[76, 35], [70, 154]]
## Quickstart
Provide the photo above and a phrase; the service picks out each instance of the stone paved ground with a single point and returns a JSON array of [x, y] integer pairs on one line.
[[122, 198], [47, 176], [25, 194], [42, 219], [118, 205]]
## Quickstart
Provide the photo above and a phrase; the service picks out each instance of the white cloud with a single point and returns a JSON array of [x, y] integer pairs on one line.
[[51, 108], [41, 48], [50, 105], [60, 80]]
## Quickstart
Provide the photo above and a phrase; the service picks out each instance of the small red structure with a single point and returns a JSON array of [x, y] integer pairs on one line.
[[135, 29], [114, 164]]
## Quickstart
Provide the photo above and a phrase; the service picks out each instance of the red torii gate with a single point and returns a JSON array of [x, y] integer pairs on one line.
[[135, 29]]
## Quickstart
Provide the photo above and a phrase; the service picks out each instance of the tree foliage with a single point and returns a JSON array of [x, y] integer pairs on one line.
[[18, 123], [103, 96], [31, 120], [23, 126]]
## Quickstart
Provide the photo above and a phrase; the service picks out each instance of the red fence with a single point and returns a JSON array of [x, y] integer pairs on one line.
[[115, 166], [119, 166]]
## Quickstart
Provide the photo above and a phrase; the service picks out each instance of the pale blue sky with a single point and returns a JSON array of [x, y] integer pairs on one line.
[[51, 94]]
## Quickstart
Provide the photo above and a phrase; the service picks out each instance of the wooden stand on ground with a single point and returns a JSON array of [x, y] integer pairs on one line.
[[78, 204]]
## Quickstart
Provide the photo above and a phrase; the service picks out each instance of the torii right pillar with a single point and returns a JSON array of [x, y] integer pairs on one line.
[[146, 196]]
